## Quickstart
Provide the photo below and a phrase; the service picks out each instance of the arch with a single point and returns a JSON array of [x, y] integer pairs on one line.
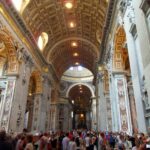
[[96, 50], [32, 86], [63, 56], [38, 81], [80, 83], [8, 44]]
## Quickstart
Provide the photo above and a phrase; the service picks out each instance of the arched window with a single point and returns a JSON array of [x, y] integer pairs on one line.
[[42, 40], [20, 5]]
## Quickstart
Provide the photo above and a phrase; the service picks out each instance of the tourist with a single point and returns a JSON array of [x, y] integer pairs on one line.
[[72, 144], [29, 145], [87, 141], [5, 144], [65, 142]]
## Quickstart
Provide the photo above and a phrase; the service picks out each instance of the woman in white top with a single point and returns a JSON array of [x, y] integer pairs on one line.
[[87, 142], [72, 144]]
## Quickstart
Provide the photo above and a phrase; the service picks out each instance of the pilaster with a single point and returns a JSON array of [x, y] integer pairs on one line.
[[94, 119], [135, 64], [102, 113], [41, 107], [18, 107]]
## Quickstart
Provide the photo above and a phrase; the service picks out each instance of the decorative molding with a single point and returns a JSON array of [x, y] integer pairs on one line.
[[131, 14], [106, 29]]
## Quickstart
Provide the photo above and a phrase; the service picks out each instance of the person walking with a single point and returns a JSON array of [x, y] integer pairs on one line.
[[65, 142]]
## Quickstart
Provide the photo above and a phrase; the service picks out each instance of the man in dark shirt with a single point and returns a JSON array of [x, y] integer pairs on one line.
[[132, 140], [5, 144]]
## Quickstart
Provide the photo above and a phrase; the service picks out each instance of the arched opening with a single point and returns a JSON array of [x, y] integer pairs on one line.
[[80, 98], [31, 111], [68, 116], [30, 104]]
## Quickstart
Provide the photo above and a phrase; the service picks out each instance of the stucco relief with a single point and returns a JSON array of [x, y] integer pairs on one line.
[[36, 113], [2, 46], [7, 104], [53, 115], [122, 105]]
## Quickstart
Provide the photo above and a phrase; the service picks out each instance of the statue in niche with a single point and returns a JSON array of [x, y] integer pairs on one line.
[[2, 46], [7, 104], [120, 88], [144, 94], [124, 122], [20, 51], [19, 114], [122, 104], [5, 68]]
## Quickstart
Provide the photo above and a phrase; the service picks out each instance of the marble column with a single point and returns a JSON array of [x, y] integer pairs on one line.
[[88, 120], [66, 118], [141, 11], [133, 108], [121, 107], [115, 125], [41, 107], [135, 64], [7, 102], [93, 110], [19, 97], [102, 119], [76, 120], [108, 112]]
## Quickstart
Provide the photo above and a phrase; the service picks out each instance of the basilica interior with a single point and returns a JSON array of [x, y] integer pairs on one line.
[[75, 64]]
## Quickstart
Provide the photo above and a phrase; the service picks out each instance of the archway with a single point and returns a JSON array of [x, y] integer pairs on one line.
[[35, 87], [80, 98]]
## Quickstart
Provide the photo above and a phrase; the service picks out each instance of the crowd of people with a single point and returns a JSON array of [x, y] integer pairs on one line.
[[73, 140]]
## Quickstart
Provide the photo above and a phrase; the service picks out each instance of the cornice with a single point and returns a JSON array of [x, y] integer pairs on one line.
[[108, 23]]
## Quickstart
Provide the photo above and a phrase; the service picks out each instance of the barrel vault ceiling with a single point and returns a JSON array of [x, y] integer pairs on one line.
[[52, 17]]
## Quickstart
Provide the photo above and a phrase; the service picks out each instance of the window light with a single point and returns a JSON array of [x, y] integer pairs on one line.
[[80, 68], [71, 68], [20, 5], [42, 40]]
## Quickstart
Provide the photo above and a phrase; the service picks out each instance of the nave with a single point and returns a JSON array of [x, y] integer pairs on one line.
[[69, 65]]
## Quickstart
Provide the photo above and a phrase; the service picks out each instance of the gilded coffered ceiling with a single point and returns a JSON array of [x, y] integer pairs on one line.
[[51, 16]]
